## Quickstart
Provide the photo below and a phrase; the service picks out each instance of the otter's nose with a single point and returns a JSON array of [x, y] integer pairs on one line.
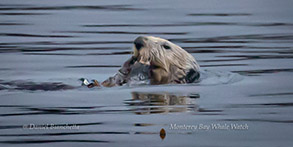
[[139, 42]]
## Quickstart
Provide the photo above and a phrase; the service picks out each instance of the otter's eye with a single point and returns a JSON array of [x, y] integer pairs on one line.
[[167, 47]]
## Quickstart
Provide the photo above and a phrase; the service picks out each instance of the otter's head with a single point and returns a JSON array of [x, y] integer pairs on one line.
[[163, 54]]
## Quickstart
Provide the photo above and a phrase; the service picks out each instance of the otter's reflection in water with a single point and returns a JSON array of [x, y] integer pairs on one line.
[[148, 103]]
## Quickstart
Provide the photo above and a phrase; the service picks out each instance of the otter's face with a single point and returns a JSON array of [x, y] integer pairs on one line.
[[168, 62], [153, 50]]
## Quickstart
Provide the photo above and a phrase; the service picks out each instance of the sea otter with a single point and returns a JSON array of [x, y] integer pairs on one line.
[[156, 61]]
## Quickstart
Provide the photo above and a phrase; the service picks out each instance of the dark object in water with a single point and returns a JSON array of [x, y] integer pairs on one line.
[[85, 82], [132, 73], [122, 75], [94, 83], [192, 76], [162, 134]]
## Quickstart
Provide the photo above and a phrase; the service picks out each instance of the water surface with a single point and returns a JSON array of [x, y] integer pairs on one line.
[[245, 49]]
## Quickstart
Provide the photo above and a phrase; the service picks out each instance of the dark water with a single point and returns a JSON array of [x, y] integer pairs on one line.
[[245, 49]]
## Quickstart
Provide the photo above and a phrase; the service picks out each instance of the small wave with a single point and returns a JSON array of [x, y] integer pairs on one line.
[[71, 7], [211, 77], [32, 86]]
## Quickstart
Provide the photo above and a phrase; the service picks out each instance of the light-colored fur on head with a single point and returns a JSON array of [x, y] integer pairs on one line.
[[159, 61], [167, 56]]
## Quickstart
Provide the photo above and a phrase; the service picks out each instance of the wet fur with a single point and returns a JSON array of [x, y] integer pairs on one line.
[[168, 63]]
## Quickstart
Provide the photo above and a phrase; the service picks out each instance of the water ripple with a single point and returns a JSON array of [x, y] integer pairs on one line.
[[32, 141], [126, 32], [77, 7], [263, 71], [32, 86], [34, 35], [219, 14]]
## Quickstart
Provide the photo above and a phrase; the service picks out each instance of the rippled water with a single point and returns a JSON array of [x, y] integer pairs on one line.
[[245, 49]]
